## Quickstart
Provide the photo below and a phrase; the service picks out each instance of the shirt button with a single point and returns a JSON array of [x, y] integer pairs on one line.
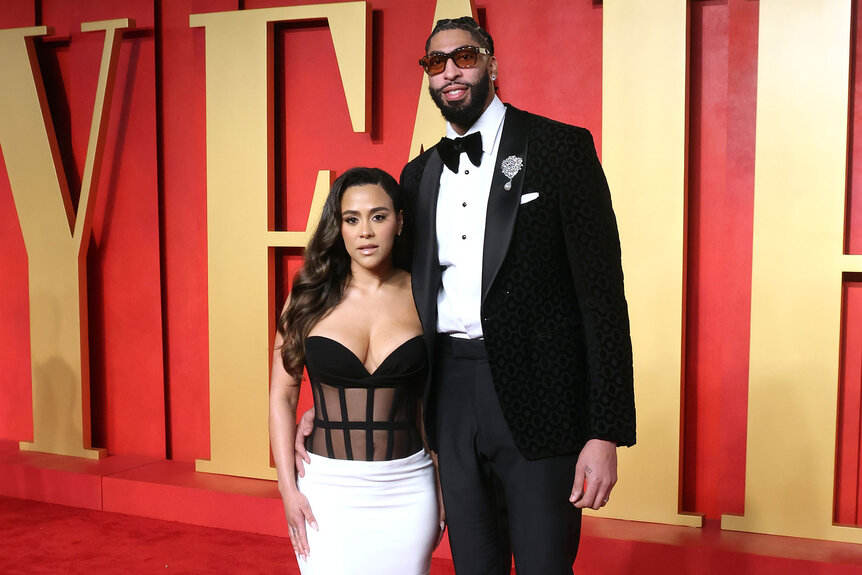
[[464, 204], [463, 237], [466, 172]]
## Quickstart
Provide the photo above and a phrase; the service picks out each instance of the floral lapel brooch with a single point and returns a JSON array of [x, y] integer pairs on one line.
[[510, 167]]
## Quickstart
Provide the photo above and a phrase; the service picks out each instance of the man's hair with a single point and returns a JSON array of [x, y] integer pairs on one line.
[[480, 35]]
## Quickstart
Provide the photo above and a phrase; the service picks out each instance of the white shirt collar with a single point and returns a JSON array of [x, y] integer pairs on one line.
[[488, 124]]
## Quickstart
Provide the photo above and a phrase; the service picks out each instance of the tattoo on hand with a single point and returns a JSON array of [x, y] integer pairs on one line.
[[588, 469]]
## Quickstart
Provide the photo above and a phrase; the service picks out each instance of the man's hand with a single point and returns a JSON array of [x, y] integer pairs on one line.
[[595, 474], [303, 430]]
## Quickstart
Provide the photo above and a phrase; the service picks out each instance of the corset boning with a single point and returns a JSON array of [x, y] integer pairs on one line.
[[361, 415]]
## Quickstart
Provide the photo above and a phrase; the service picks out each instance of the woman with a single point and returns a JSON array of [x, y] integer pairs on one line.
[[369, 491]]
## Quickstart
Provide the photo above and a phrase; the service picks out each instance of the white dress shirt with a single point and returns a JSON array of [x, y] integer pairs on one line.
[[461, 209]]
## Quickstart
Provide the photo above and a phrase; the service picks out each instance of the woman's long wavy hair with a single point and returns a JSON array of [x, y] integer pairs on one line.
[[320, 284]]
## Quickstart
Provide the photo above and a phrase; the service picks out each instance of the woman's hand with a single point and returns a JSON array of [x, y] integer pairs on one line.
[[298, 513], [283, 398]]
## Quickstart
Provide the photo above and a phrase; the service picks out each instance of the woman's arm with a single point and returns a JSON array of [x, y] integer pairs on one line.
[[283, 397], [441, 510]]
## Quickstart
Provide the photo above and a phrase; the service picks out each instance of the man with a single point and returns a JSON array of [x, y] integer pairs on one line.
[[518, 283], [519, 287]]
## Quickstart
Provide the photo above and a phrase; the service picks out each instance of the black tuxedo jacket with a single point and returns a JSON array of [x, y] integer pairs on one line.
[[554, 314]]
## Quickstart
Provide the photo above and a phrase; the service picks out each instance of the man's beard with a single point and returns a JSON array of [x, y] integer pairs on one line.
[[464, 112]]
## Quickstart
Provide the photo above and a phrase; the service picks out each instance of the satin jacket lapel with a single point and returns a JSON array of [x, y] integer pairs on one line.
[[503, 204], [426, 267]]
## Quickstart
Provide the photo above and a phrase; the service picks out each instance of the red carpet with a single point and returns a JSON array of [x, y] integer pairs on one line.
[[42, 538], [45, 538]]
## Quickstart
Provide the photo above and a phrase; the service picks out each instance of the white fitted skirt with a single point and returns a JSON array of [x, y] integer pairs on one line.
[[375, 517]]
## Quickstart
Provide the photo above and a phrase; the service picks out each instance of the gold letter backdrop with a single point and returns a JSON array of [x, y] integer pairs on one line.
[[798, 258], [644, 155], [55, 237], [239, 185], [799, 193]]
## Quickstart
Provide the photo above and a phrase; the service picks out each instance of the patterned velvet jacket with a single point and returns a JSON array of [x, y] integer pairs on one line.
[[554, 314]]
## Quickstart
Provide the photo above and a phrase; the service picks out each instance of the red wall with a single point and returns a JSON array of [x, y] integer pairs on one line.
[[722, 106], [147, 261]]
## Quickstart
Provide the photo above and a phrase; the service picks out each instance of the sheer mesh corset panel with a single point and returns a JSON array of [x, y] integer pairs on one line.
[[361, 415]]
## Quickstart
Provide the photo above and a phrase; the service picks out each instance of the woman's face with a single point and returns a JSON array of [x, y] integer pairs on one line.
[[369, 225]]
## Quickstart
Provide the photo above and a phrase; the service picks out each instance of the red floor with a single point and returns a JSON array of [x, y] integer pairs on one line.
[[135, 515], [46, 538]]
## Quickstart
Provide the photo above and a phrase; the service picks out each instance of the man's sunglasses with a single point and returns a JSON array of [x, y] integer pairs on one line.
[[463, 57]]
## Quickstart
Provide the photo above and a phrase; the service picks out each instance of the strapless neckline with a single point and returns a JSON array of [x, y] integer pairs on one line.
[[359, 361]]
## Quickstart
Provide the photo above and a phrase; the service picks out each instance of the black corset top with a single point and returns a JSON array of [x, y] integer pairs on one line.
[[360, 415]]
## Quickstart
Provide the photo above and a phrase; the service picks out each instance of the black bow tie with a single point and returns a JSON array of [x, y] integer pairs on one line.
[[450, 150]]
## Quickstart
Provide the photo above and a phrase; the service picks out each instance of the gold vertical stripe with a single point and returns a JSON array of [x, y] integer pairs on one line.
[[239, 177], [644, 155], [802, 100], [98, 124]]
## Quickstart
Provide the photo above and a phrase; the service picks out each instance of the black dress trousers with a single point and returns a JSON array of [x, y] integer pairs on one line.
[[498, 503]]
